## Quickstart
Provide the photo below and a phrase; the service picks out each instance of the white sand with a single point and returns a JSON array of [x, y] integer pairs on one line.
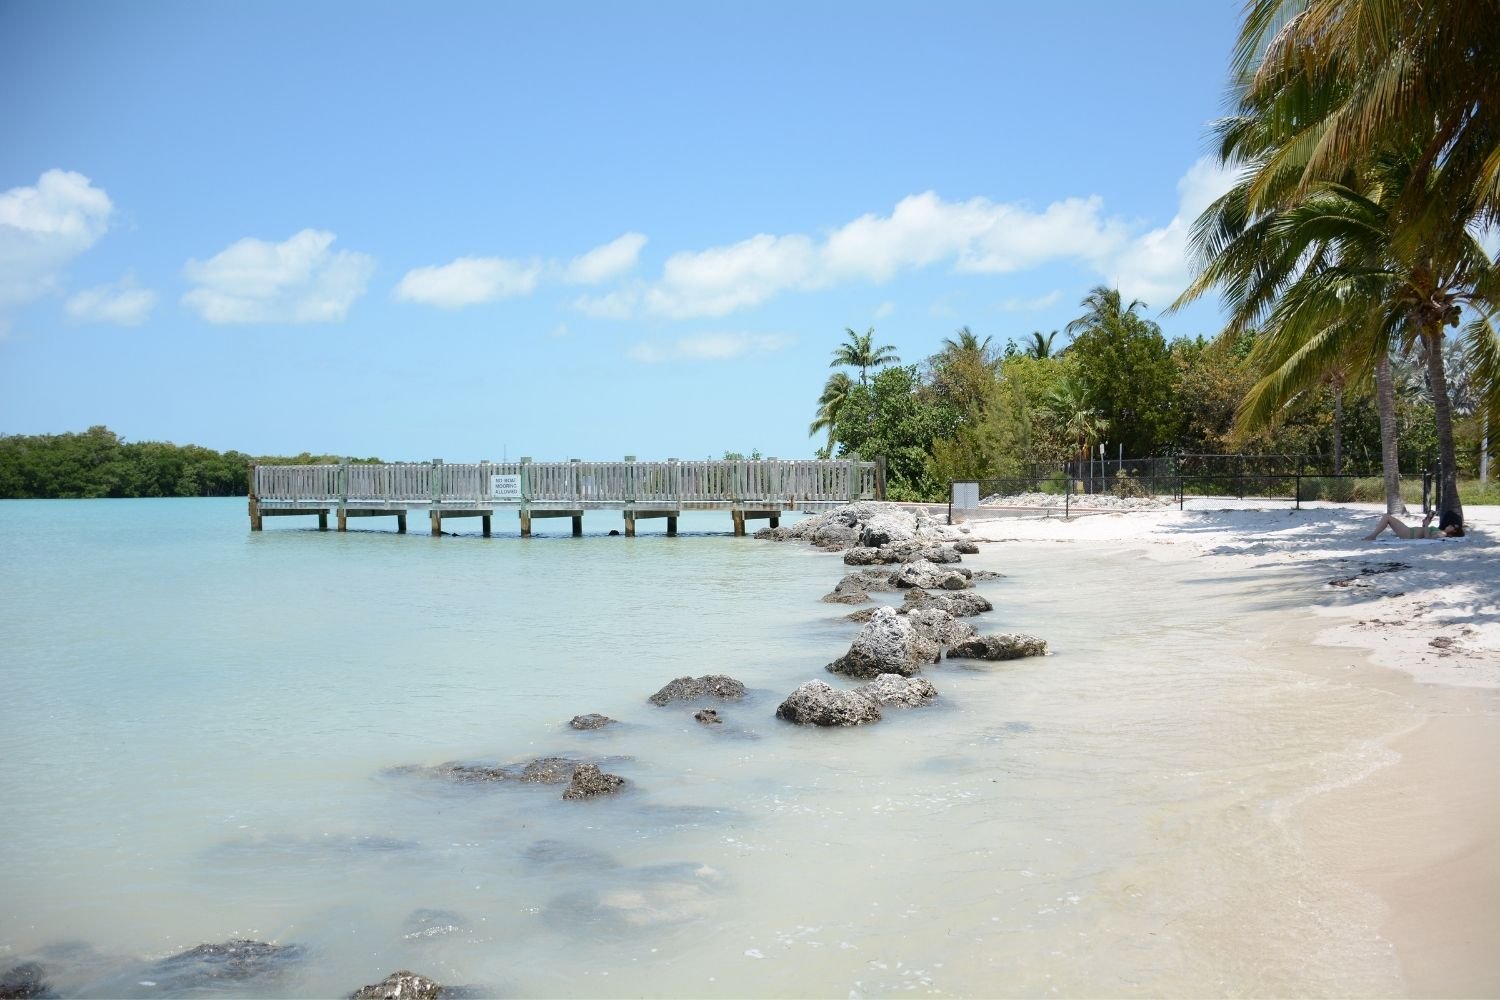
[[1444, 590], [1423, 834]]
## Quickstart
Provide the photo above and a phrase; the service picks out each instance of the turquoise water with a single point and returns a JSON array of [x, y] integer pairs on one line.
[[202, 725]]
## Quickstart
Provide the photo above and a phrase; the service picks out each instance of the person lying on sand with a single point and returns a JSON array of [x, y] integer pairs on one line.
[[1400, 529]]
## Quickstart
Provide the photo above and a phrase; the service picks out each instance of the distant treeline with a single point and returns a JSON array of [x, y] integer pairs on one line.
[[99, 463]]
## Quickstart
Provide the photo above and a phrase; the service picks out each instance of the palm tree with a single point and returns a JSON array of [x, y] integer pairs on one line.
[[1329, 88], [967, 343], [1105, 308], [1040, 346], [1342, 81], [860, 353], [1069, 404], [835, 395], [1335, 285]]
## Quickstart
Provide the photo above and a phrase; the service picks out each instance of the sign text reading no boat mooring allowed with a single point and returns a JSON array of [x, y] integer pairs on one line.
[[505, 487]]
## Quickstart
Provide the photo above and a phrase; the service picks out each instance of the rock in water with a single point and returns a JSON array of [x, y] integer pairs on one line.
[[240, 960], [689, 688], [888, 644], [817, 703], [963, 605], [966, 547], [591, 721], [709, 717], [928, 575], [548, 771], [27, 981], [401, 985], [589, 781], [939, 626], [1002, 646], [903, 692]]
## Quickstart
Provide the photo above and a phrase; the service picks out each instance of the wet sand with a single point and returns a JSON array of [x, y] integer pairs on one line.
[[1420, 832]]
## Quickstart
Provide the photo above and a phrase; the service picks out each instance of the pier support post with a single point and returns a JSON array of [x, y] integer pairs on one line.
[[401, 522], [322, 520], [343, 520], [671, 526], [254, 514], [485, 521], [739, 524], [437, 523], [775, 522], [629, 524], [578, 526], [525, 524]]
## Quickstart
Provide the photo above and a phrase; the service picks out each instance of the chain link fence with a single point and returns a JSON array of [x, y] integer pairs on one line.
[[1090, 484]]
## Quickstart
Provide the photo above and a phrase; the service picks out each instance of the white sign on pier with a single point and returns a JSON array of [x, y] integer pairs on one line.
[[505, 487]]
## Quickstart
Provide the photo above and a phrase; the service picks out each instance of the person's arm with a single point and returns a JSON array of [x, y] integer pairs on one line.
[[1426, 524]]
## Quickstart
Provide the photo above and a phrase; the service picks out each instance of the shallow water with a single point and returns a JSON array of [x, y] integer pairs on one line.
[[202, 732]]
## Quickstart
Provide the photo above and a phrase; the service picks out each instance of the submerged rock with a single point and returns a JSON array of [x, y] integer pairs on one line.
[[561, 854], [903, 692], [27, 981], [641, 899], [846, 597], [401, 985], [591, 721], [966, 547], [690, 688], [708, 717], [817, 703], [549, 770], [434, 923], [588, 782], [209, 966], [1001, 646], [888, 644]]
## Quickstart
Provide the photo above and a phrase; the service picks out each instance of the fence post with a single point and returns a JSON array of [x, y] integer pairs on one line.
[[853, 474], [1068, 501], [880, 482]]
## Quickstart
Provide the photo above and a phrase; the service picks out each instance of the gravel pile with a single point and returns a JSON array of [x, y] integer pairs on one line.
[[1095, 501]]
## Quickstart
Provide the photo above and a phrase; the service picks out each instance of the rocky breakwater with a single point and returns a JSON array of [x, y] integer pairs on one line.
[[894, 644]]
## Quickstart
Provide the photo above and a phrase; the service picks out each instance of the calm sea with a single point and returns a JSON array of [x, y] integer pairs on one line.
[[202, 731]]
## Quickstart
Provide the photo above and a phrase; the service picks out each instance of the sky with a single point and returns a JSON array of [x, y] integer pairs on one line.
[[569, 230]]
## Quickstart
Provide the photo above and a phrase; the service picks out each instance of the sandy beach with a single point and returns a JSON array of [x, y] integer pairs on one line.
[[1420, 833]]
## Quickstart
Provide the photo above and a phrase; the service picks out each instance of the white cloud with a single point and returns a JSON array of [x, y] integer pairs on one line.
[[710, 347], [1031, 305], [720, 280], [468, 281], [619, 304], [1154, 267], [559, 331], [299, 280], [884, 309], [605, 262], [119, 304], [42, 229], [977, 236]]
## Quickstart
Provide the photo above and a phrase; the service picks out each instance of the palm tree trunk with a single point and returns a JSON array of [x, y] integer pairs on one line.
[[1451, 510], [1390, 458], [1338, 427]]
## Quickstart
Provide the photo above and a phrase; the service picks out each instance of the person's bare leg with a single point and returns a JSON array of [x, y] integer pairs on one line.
[[1398, 528]]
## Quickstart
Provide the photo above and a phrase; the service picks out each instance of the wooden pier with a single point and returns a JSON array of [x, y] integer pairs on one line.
[[748, 490]]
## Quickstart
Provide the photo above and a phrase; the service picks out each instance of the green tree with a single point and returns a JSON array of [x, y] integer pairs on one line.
[[1040, 347], [1125, 370], [893, 416], [830, 402], [859, 352]]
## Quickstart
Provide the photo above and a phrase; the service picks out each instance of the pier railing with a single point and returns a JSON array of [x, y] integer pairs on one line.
[[570, 484]]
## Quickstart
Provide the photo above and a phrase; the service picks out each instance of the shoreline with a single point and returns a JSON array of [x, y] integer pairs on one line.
[[1420, 832]]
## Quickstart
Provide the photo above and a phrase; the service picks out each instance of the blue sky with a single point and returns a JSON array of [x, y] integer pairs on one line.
[[567, 230]]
